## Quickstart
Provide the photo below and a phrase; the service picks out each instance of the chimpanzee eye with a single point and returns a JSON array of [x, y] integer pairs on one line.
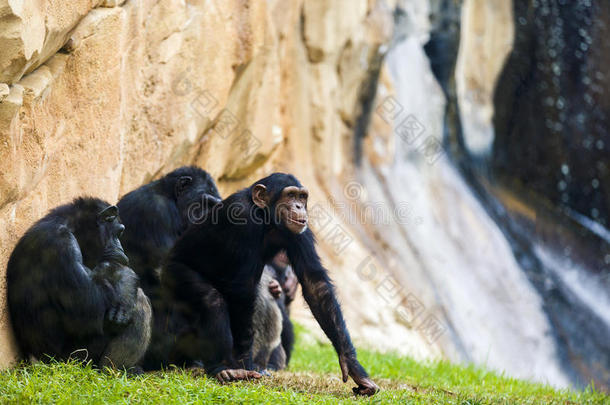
[[110, 219], [303, 196]]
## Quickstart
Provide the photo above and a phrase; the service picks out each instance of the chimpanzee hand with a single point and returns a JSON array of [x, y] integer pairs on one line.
[[230, 375], [275, 288], [119, 315], [117, 318], [350, 366], [123, 301]]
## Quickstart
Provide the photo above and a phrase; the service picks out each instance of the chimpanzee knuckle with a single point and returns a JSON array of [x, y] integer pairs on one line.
[[130, 313], [122, 317], [118, 316], [360, 391]]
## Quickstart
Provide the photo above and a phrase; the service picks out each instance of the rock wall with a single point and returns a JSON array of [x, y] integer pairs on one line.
[[99, 97], [485, 42]]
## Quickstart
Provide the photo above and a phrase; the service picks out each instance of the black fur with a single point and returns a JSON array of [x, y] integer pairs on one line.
[[71, 292], [211, 279], [157, 213]]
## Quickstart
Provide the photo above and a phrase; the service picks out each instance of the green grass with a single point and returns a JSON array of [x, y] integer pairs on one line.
[[313, 378]]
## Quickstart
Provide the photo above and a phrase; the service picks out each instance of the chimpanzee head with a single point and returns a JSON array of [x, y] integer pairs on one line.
[[286, 199], [194, 191], [96, 226]]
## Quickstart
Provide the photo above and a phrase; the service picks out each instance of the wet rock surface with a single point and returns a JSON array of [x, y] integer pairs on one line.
[[552, 104], [539, 167]]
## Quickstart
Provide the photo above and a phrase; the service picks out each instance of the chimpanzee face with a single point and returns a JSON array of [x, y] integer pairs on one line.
[[196, 192], [290, 208], [110, 225]]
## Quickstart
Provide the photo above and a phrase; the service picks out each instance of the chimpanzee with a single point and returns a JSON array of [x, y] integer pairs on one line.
[[267, 322], [71, 292], [212, 274], [282, 286], [155, 215]]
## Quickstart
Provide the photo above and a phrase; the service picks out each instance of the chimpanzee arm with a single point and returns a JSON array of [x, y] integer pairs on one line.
[[119, 283], [320, 296], [82, 300], [120, 287]]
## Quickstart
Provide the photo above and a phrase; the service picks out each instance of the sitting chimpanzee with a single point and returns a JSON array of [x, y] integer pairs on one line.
[[71, 292], [156, 215], [212, 274], [273, 331]]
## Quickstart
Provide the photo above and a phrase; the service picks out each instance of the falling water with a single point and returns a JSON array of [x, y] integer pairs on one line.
[[514, 245]]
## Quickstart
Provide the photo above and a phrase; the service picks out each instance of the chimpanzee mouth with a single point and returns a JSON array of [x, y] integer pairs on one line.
[[300, 221]]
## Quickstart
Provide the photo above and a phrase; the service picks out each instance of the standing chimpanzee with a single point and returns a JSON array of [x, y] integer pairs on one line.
[[157, 213], [213, 271], [71, 292]]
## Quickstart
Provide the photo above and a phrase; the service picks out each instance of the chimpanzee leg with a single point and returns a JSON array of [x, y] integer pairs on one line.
[[287, 333], [281, 354], [277, 360], [209, 340], [128, 348], [241, 311]]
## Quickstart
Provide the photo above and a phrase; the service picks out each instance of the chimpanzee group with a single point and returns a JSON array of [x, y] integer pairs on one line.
[[197, 281]]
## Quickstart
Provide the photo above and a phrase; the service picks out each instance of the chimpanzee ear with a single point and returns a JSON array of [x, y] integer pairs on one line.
[[182, 184], [259, 196], [108, 214]]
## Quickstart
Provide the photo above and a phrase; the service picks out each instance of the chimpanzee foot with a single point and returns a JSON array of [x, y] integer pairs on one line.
[[135, 371]]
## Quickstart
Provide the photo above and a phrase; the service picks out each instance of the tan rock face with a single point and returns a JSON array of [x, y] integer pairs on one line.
[[31, 31], [241, 88], [485, 42]]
